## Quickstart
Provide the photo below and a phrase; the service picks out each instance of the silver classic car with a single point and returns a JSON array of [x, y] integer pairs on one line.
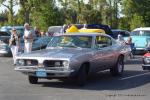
[[75, 56]]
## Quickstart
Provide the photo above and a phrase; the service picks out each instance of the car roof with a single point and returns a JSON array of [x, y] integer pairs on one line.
[[142, 28]]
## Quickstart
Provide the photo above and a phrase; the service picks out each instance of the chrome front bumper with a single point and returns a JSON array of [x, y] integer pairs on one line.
[[52, 71]]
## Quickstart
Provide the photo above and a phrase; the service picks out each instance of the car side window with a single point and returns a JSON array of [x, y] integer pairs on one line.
[[102, 41]]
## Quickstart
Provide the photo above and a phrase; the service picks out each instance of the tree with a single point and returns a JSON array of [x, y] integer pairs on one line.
[[138, 12], [40, 14], [45, 14], [3, 17], [26, 6], [9, 6]]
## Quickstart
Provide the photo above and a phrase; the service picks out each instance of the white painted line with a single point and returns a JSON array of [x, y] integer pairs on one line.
[[135, 76]]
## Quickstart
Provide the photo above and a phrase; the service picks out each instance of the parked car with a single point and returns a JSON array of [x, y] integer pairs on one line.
[[140, 38], [20, 29], [38, 44], [146, 61], [55, 30], [4, 40], [124, 33], [73, 56], [6, 29]]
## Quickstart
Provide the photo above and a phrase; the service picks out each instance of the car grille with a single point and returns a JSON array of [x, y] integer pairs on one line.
[[31, 62], [50, 63]]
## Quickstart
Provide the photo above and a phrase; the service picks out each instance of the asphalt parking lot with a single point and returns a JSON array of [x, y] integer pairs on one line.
[[133, 85]]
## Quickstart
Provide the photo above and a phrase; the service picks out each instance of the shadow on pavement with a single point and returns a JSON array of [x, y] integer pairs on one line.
[[135, 60], [104, 81]]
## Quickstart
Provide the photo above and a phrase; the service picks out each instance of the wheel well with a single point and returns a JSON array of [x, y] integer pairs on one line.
[[87, 64]]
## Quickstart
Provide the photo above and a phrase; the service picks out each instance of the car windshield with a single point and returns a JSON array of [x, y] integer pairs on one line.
[[141, 33], [71, 41]]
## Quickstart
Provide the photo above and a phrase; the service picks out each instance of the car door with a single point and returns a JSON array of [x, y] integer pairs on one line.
[[104, 52], [111, 51]]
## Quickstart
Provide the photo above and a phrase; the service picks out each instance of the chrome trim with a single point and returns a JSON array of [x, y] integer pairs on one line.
[[56, 70]]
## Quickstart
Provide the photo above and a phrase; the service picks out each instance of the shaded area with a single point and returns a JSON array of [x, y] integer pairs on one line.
[[104, 81]]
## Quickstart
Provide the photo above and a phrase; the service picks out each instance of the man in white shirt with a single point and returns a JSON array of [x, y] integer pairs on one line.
[[28, 38]]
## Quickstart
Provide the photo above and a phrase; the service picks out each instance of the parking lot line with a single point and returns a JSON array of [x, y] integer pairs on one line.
[[125, 78]]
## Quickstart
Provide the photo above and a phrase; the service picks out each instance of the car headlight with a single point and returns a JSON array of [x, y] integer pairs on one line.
[[21, 62], [66, 64], [147, 60]]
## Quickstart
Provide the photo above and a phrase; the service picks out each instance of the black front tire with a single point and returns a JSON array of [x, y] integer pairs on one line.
[[33, 79], [82, 76], [118, 69]]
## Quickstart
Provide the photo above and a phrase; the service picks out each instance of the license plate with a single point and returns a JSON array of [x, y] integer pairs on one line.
[[41, 73]]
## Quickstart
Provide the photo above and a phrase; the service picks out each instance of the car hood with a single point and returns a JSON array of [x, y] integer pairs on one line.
[[54, 53]]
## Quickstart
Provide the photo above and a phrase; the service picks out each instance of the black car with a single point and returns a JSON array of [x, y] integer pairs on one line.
[[116, 32]]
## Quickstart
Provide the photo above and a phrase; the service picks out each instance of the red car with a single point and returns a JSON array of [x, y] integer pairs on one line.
[[146, 61]]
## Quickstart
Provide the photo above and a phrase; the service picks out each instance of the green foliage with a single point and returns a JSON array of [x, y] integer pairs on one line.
[[9, 6], [3, 18], [124, 23], [138, 12], [136, 21], [45, 13]]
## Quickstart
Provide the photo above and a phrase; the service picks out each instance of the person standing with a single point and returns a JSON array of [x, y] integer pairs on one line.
[[14, 43], [37, 32], [120, 39], [28, 38], [132, 47]]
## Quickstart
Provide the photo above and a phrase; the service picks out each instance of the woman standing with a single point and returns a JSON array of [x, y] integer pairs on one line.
[[14, 43]]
